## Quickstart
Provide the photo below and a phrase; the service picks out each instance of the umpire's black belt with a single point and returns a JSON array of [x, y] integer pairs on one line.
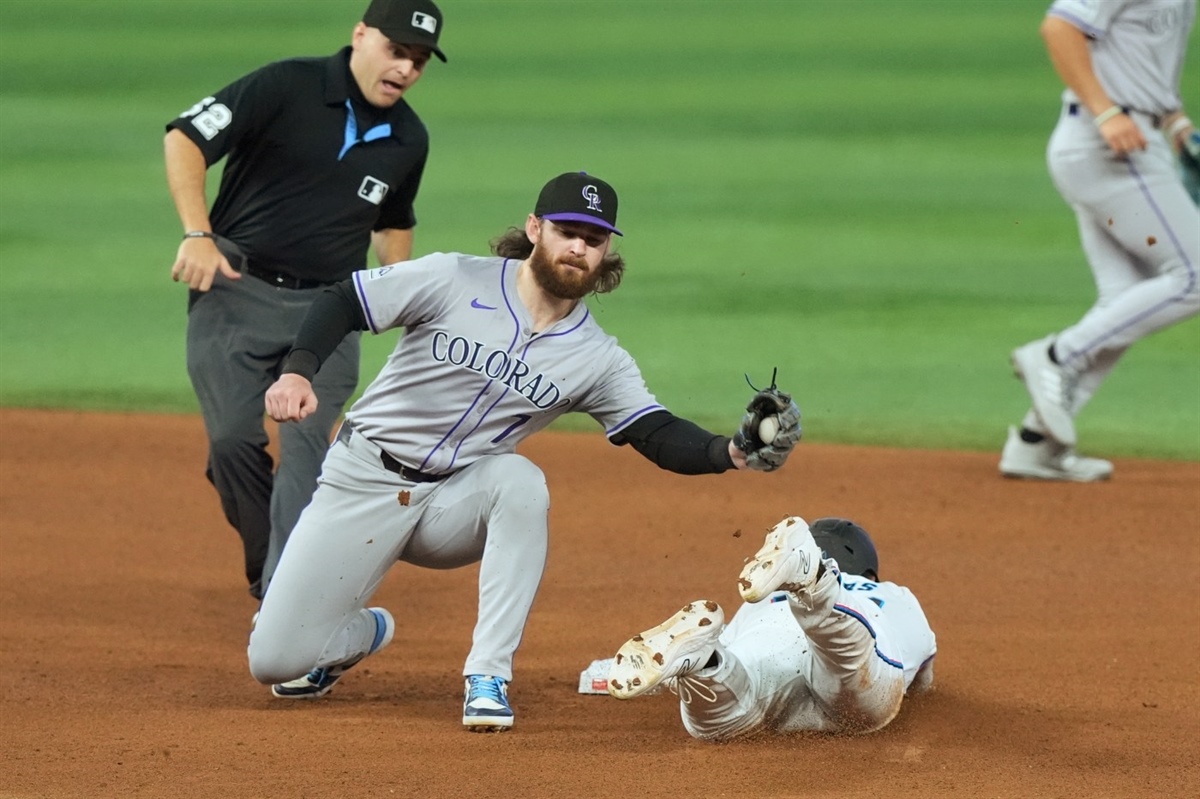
[[346, 432], [280, 280]]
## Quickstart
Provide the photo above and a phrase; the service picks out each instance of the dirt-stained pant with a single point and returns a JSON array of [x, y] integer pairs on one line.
[[837, 658], [363, 519], [1141, 234]]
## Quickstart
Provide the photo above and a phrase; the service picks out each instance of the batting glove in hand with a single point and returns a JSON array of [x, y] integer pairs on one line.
[[761, 456]]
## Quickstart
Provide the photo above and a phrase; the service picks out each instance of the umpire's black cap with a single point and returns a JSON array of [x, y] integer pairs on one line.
[[407, 22], [579, 197]]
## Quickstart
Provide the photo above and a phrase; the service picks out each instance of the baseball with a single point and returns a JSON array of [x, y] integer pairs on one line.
[[767, 428]]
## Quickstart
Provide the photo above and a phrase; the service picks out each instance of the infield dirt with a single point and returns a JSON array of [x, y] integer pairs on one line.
[[1067, 617]]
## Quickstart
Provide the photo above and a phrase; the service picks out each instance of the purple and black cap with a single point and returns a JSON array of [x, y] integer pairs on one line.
[[579, 197], [407, 22]]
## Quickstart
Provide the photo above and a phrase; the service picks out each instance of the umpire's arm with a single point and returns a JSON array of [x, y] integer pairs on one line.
[[392, 245], [198, 260]]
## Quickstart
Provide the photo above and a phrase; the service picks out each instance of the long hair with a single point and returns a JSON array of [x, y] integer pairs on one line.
[[513, 243]]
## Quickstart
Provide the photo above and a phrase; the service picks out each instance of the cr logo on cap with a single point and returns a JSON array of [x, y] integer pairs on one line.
[[425, 22], [592, 196]]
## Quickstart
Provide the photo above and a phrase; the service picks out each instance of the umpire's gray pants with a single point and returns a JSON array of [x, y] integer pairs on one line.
[[237, 336]]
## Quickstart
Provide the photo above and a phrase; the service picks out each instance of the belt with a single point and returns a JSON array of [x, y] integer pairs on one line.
[[280, 280], [346, 432], [1073, 109]]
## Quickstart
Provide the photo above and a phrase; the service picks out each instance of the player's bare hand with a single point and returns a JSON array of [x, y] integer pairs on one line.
[[198, 262], [1122, 135], [290, 399]]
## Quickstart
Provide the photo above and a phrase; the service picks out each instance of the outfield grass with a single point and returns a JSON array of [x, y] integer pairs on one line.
[[853, 192]]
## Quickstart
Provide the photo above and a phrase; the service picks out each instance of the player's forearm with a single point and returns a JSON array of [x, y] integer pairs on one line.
[[333, 314], [186, 169], [392, 245], [678, 445], [1072, 60]]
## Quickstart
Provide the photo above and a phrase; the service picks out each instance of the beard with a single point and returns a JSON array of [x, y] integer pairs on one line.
[[559, 279]]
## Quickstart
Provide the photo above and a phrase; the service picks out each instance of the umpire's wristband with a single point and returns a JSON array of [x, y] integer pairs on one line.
[[200, 234]]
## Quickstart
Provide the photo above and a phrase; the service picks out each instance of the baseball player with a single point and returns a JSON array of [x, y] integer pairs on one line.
[[424, 469], [323, 157], [820, 645], [1111, 159]]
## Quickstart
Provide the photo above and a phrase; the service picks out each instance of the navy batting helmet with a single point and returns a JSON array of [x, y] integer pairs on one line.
[[848, 544]]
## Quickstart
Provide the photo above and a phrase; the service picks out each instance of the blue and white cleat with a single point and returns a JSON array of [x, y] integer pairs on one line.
[[485, 707], [318, 682]]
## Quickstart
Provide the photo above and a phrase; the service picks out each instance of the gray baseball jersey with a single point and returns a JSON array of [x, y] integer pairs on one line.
[[468, 381], [1137, 49], [470, 377]]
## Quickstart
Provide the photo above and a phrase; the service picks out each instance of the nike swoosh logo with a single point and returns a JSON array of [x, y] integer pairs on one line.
[[475, 303]]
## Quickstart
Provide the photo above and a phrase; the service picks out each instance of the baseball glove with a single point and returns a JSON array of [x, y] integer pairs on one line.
[[762, 456], [1189, 165]]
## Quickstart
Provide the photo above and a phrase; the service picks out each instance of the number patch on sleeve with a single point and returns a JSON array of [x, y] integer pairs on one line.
[[209, 117]]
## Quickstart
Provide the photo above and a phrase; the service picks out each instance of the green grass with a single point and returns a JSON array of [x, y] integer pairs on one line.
[[852, 192]]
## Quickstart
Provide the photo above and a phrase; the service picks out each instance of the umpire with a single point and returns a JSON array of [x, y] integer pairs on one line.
[[324, 156]]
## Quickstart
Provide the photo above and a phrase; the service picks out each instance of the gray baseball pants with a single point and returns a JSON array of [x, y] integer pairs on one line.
[[1141, 233], [238, 334], [363, 519]]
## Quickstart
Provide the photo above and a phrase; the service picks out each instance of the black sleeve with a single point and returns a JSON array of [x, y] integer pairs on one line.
[[397, 209], [677, 445], [334, 313], [240, 110]]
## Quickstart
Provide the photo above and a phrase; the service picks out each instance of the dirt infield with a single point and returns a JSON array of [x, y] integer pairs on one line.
[[1067, 622]]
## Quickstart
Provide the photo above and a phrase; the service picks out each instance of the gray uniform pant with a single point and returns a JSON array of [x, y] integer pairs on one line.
[[237, 336], [363, 519], [1141, 233]]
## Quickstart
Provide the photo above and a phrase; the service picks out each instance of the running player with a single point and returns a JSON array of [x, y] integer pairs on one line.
[[1121, 61], [424, 468]]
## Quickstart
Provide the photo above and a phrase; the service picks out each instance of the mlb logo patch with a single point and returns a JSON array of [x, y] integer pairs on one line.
[[373, 190], [425, 22]]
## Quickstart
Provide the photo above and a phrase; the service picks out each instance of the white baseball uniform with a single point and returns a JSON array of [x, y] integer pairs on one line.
[[466, 383], [841, 664], [1139, 229]]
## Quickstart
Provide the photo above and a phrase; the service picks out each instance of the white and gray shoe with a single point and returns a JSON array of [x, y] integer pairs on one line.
[[1050, 388], [1049, 460], [789, 560], [681, 645]]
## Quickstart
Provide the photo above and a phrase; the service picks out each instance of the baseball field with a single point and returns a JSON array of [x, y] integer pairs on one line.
[[853, 193]]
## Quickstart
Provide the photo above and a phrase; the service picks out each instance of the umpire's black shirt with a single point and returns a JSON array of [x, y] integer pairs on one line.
[[307, 180]]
